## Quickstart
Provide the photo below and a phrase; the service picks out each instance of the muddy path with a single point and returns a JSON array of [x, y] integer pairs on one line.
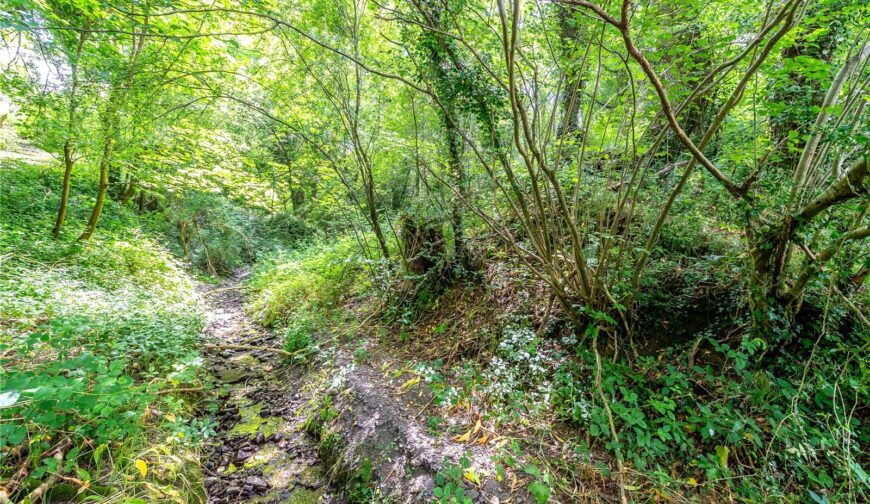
[[260, 453]]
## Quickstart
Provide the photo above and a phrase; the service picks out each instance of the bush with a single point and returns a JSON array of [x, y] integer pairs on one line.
[[306, 283], [700, 428]]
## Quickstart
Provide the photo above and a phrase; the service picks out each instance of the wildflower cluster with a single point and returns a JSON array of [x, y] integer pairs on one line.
[[519, 369]]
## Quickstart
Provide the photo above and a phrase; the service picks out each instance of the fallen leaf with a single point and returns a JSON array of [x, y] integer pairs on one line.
[[471, 476], [142, 466]]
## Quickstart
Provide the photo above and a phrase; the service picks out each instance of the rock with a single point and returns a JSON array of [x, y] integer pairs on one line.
[[233, 490], [211, 481], [256, 482], [260, 439]]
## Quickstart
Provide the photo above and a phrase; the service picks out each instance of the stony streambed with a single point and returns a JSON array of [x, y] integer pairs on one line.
[[261, 453]]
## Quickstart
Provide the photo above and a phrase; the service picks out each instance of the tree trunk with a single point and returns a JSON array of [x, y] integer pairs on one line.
[[373, 216], [101, 192], [64, 195], [68, 161], [457, 171], [129, 191], [571, 121]]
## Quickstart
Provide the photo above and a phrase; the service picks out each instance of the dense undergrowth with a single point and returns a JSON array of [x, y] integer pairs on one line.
[[694, 414], [96, 340]]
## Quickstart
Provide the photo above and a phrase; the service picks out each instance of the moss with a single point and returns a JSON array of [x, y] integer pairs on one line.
[[310, 476], [297, 496], [245, 361], [305, 496], [232, 374], [251, 422]]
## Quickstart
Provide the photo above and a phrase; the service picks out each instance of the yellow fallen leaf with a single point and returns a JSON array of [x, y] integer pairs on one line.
[[476, 427], [483, 439], [410, 383], [171, 417], [471, 476], [463, 438], [142, 466]]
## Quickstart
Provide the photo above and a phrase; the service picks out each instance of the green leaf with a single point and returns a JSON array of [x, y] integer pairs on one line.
[[539, 491], [722, 456]]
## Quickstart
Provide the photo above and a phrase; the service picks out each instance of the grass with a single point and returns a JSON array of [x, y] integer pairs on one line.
[[298, 288]]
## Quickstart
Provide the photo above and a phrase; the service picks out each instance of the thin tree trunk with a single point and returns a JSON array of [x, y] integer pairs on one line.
[[129, 191], [101, 192], [64, 195], [373, 216], [110, 129], [68, 161], [457, 170]]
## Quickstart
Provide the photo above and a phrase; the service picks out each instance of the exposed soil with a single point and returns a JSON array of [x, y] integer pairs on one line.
[[260, 453], [380, 420]]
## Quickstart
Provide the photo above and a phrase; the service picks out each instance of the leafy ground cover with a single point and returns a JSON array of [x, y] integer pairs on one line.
[[98, 343]]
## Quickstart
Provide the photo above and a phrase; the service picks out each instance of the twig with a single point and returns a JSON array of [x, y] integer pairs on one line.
[[183, 389], [606, 403], [39, 492]]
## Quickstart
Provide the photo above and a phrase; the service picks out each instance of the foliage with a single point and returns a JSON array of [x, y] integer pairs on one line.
[[689, 175], [93, 339], [306, 283], [449, 485], [721, 420]]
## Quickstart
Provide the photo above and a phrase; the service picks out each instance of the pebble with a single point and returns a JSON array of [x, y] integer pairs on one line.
[[256, 482]]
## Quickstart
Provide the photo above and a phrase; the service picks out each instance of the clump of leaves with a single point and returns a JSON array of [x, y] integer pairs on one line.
[[298, 339], [449, 485]]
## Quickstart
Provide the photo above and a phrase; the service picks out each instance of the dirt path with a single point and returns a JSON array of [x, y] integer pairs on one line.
[[260, 453]]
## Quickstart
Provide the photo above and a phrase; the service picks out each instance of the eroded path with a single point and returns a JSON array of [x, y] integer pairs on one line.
[[260, 453]]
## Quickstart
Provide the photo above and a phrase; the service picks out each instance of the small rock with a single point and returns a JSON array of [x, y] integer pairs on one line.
[[233, 490], [260, 439], [211, 481], [256, 482]]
